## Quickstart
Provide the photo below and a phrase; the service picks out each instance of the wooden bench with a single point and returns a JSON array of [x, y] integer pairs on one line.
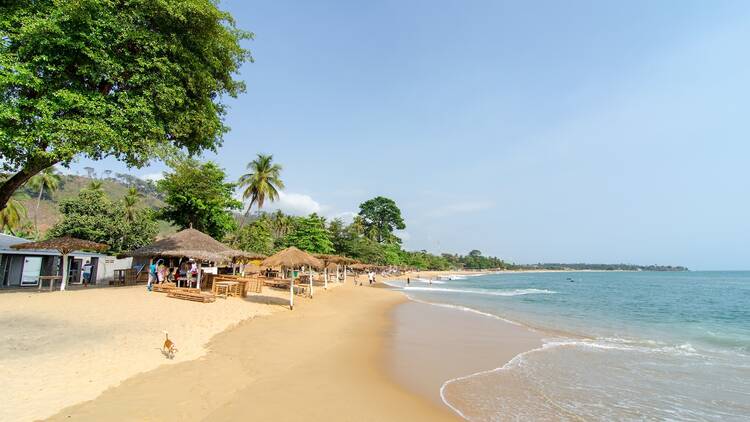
[[192, 296]]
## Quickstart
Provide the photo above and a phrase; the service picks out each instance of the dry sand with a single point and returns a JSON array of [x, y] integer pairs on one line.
[[62, 348], [324, 361]]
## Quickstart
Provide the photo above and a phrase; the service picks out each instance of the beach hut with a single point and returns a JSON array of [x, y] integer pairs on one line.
[[293, 258], [65, 245], [189, 243]]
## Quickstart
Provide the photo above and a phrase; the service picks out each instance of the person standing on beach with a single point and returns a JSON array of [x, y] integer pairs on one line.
[[408, 281], [151, 275]]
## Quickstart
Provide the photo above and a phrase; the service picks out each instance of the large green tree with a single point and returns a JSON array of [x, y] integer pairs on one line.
[[381, 217], [197, 194], [93, 216], [310, 234], [121, 78], [256, 237]]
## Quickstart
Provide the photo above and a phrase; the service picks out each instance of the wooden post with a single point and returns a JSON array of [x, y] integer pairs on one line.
[[291, 292], [337, 274], [345, 274], [309, 273], [198, 278], [325, 278], [64, 280]]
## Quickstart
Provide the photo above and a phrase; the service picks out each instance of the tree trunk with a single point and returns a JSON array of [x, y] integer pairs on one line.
[[17, 180], [36, 212]]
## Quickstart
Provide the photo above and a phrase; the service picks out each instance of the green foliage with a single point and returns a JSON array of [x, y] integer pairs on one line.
[[197, 195], [11, 217], [380, 217], [263, 182], [93, 216], [48, 180], [256, 237], [476, 261], [310, 234], [127, 79]]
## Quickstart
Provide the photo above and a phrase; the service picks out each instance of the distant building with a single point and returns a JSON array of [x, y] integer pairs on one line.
[[22, 268]]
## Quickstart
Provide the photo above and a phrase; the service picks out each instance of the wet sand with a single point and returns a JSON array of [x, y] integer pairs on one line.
[[325, 360], [433, 344]]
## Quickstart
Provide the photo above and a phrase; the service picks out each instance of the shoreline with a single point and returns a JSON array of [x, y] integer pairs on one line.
[[435, 345], [324, 360]]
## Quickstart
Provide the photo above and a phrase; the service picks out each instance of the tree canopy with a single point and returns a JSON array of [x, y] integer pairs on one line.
[[310, 234], [126, 79], [93, 216], [381, 217], [197, 195]]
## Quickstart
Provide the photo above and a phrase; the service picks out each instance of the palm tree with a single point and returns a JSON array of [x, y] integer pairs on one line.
[[12, 214], [46, 179], [130, 201], [263, 182], [281, 224], [96, 185]]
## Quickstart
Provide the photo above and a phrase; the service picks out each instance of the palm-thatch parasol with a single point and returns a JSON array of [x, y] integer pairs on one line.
[[334, 260], [242, 257], [294, 258], [188, 243], [65, 245]]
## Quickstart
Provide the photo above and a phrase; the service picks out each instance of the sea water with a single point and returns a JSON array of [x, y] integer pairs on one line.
[[618, 345]]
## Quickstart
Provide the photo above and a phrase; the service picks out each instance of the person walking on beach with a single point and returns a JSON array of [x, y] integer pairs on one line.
[[151, 275]]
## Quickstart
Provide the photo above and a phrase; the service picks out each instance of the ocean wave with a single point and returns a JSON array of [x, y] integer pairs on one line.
[[627, 345], [512, 292], [425, 280], [471, 310], [605, 344]]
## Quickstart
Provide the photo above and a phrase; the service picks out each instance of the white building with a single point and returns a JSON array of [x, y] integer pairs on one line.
[[22, 268]]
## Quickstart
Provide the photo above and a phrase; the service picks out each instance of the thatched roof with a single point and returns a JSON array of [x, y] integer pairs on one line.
[[292, 258], [64, 244], [336, 259], [188, 243], [239, 255]]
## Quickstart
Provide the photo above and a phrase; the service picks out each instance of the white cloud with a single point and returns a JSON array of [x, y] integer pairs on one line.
[[347, 216], [296, 204], [464, 207], [403, 235]]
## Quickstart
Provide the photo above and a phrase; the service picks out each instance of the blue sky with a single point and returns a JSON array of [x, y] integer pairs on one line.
[[535, 131]]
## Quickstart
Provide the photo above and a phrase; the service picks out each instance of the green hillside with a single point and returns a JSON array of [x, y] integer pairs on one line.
[[116, 189]]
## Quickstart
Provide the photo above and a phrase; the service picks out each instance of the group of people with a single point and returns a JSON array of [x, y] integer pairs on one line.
[[159, 273]]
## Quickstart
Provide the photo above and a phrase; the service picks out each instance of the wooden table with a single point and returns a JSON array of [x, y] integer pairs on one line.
[[230, 288], [51, 278]]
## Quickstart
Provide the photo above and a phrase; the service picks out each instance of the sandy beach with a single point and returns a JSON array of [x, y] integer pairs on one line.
[[59, 349], [340, 356], [323, 361]]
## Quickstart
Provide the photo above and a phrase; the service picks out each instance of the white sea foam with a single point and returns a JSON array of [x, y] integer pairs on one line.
[[512, 292], [604, 344]]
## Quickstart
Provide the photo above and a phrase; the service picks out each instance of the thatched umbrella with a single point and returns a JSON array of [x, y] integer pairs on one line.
[[188, 243], [293, 258], [336, 260], [243, 257], [65, 245]]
